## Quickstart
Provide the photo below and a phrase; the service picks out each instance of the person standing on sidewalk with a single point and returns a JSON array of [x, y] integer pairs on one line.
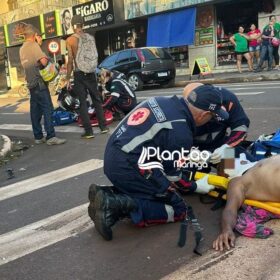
[[32, 57], [82, 56], [254, 43], [267, 48], [239, 40], [276, 28]]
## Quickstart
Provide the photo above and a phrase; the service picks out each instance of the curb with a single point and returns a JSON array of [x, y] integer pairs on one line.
[[7, 145], [273, 77]]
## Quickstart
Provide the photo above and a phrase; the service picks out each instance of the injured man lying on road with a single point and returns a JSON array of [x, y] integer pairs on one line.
[[260, 181]]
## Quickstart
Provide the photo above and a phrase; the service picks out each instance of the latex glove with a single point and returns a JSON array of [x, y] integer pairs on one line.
[[216, 156], [202, 185], [241, 165]]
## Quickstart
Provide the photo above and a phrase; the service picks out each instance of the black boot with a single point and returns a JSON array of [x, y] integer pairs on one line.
[[93, 189], [110, 207]]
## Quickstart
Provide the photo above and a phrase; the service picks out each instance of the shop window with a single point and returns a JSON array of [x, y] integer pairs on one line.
[[229, 17], [180, 56]]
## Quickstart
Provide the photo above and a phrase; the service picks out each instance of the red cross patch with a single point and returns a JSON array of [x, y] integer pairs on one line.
[[138, 117]]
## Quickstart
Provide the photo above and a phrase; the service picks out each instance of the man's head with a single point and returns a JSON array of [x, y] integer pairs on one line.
[[104, 76], [189, 88], [77, 22], [66, 19], [29, 32], [205, 103]]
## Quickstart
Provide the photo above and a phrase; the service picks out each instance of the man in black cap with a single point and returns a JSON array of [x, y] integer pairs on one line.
[[220, 133], [143, 160], [83, 57]]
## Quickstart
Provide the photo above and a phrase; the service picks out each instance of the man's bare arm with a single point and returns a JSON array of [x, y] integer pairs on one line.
[[235, 198], [70, 60]]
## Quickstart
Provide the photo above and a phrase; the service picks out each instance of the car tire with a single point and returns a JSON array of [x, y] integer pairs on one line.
[[169, 84], [135, 81]]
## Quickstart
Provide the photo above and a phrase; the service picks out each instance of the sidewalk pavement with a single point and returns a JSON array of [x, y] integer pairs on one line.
[[229, 77], [216, 78]]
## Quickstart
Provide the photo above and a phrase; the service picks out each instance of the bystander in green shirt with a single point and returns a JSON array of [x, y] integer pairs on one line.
[[241, 43], [276, 28]]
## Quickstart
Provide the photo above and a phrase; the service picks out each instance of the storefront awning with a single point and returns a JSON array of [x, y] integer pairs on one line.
[[172, 29]]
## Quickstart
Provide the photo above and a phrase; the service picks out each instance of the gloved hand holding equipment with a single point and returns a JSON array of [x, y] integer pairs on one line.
[[217, 155], [203, 187]]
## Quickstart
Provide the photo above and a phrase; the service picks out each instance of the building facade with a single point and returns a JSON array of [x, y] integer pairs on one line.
[[118, 25]]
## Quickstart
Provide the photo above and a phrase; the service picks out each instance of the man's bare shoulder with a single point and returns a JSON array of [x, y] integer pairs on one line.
[[72, 41]]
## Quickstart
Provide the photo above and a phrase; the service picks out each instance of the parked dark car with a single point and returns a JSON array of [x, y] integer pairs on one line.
[[148, 65]]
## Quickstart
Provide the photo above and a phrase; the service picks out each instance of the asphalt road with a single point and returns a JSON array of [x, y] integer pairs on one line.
[[44, 229]]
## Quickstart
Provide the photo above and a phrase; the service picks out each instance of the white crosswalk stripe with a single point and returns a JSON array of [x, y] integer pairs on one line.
[[43, 233], [49, 178]]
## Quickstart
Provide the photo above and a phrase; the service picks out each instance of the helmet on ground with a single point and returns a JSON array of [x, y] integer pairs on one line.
[[67, 101]]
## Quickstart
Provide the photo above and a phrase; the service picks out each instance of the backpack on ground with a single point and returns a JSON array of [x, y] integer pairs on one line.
[[266, 146], [61, 117], [87, 56]]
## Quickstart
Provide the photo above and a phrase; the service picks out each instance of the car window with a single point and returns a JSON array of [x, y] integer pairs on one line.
[[124, 57], [109, 61], [134, 56], [155, 53]]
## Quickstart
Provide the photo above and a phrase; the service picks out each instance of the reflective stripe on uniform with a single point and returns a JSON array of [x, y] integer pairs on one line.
[[243, 128], [170, 213], [148, 135], [115, 94], [174, 178]]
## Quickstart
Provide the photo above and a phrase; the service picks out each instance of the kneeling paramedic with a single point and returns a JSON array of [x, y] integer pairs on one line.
[[213, 136], [144, 189], [120, 97]]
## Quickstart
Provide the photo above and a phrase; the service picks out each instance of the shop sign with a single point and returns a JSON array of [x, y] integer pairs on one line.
[[15, 30], [65, 19], [96, 13], [138, 8], [53, 47], [201, 67], [50, 25], [204, 36]]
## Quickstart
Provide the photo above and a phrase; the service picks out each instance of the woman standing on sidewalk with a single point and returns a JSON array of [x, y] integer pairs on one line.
[[254, 43], [239, 40]]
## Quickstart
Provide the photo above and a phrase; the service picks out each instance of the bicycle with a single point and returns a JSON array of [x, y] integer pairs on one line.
[[23, 90]]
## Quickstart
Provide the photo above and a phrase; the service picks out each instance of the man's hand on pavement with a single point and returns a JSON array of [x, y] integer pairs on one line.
[[225, 240]]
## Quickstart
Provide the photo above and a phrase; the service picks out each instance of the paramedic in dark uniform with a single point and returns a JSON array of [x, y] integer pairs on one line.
[[214, 135], [145, 186], [120, 96]]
